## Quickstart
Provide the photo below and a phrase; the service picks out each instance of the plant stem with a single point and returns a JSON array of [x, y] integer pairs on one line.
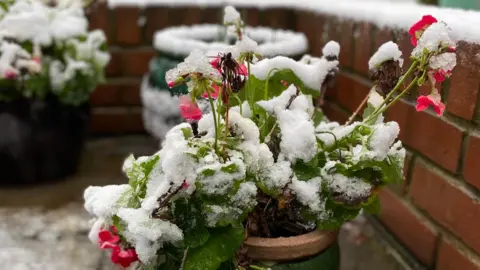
[[214, 120], [239, 103], [393, 101], [250, 93], [257, 267], [349, 121], [397, 86]]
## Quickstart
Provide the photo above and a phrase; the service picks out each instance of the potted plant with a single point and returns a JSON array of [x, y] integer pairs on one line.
[[49, 65], [262, 181], [175, 43]]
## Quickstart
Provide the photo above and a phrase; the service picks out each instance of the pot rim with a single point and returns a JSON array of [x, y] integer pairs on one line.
[[289, 248]]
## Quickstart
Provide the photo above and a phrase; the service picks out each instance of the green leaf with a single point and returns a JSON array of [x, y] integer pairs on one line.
[[389, 171], [318, 117], [232, 168], [189, 218], [368, 111], [373, 206], [208, 172], [220, 247], [306, 171], [172, 258]]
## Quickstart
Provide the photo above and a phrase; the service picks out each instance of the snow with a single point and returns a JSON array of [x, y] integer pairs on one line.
[[36, 22], [349, 187], [444, 61], [388, 51], [196, 62], [435, 36], [231, 15], [311, 75], [143, 230], [332, 48], [308, 193], [181, 40], [382, 138], [160, 110], [103, 201], [279, 103], [246, 45], [400, 15]]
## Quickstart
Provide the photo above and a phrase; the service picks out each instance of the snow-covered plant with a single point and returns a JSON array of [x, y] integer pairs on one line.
[[263, 161], [45, 47]]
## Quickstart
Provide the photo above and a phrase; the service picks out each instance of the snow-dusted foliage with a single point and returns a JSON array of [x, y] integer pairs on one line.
[[45, 48], [262, 148]]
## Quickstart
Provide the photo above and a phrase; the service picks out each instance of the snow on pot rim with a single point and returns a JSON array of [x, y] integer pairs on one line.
[[283, 249], [181, 40]]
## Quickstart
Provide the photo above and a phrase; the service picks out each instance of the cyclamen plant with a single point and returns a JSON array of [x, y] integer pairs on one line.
[[45, 48], [262, 161]]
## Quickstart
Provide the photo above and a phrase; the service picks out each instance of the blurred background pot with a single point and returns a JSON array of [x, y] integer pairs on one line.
[[40, 140], [174, 44]]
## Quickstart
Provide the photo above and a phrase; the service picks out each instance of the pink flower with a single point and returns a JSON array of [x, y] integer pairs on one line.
[[215, 93], [107, 239], [123, 257], [189, 110], [185, 184], [434, 100], [171, 84], [37, 60], [417, 29], [10, 74]]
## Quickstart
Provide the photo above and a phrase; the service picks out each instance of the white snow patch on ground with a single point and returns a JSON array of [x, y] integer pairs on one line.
[[382, 13]]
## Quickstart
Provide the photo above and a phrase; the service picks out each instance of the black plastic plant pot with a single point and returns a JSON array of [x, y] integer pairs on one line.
[[40, 140]]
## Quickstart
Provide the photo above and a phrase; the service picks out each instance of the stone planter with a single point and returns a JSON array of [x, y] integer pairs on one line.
[[174, 44], [317, 250], [40, 140]]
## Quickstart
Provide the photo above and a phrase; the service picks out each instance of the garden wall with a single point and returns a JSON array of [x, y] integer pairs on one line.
[[435, 214]]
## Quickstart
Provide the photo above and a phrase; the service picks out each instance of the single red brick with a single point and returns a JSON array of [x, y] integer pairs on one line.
[[334, 113], [350, 91], [114, 67], [135, 62], [408, 226], [105, 95], [127, 30], [346, 42], [432, 136], [157, 19], [130, 94], [450, 205], [465, 82], [109, 120], [471, 168], [382, 36], [451, 258], [99, 18], [363, 47]]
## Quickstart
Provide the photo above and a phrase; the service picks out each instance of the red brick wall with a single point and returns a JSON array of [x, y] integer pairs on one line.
[[436, 212]]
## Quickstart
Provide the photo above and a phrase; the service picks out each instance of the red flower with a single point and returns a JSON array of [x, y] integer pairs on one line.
[[433, 100], [215, 92], [107, 239], [185, 184], [441, 75], [123, 257], [215, 65], [189, 110], [417, 29], [171, 84]]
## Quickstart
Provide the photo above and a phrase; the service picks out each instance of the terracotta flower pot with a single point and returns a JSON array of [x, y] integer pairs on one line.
[[316, 250]]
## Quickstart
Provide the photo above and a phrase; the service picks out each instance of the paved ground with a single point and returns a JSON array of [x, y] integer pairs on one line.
[[45, 228]]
